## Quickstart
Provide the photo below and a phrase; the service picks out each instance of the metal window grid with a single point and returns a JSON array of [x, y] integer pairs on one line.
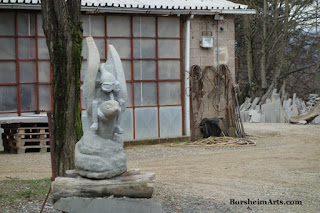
[[132, 59], [105, 37], [17, 60]]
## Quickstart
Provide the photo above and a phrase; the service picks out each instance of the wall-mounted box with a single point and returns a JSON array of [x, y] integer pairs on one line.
[[206, 42]]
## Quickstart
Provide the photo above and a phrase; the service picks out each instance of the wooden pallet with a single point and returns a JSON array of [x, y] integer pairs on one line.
[[22, 138]]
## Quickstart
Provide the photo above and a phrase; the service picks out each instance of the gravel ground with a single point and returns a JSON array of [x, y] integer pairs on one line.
[[283, 166]]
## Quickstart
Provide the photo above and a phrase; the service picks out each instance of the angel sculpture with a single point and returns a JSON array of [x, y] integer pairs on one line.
[[99, 153]]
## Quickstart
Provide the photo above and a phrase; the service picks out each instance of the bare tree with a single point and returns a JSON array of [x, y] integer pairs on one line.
[[280, 45], [62, 27]]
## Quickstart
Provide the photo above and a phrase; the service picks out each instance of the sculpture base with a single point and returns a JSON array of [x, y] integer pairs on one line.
[[107, 205], [130, 184]]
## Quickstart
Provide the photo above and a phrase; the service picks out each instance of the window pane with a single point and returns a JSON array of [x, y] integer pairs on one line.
[[144, 70], [118, 26], [145, 94], [26, 24], [169, 44], [44, 71], [168, 27], [7, 48], [83, 70], [172, 116], [85, 25], [39, 24], [84, 52], [169, 93], [45, 97], [97, 25], [43, 49], [144, 26], [126, 124], [146, 123], [169, 69], [28, 97], [7, 24], [27, 48], [100, 43], [144, 48], [129, 91], [8, 72], [8, 98], [123, 46], [28, 72], [127, 69]]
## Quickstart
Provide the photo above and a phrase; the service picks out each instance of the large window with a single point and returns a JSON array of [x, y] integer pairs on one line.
[[150, 50], [24, 64]]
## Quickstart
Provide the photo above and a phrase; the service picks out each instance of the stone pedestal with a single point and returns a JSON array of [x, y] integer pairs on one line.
[[107, 205], [130, 184]]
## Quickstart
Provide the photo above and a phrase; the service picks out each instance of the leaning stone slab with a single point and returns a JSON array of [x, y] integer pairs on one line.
[[309, 116], [254, 103], [107, 205], [130, 184]]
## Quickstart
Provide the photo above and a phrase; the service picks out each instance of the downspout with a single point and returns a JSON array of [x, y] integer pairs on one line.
[[186, 79], [218, 67]]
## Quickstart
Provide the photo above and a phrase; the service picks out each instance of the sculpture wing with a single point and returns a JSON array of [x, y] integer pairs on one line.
[[115, 67], [93, 64]]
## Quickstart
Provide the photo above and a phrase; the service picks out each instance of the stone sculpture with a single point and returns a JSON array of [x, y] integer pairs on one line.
[[99, 153]]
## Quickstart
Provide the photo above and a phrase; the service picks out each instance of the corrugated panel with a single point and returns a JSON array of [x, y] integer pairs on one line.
[[151, 4]]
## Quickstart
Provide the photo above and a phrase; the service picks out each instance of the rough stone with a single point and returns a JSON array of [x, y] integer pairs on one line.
[[255, 117], [254, 103], [246, 105], [107, 205], [294, 110], [309, 116]]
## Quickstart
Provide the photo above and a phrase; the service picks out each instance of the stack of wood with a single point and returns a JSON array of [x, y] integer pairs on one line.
[[26, 137]]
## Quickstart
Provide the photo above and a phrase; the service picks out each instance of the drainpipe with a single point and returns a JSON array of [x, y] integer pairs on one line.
[[218, 67], [186, 78]]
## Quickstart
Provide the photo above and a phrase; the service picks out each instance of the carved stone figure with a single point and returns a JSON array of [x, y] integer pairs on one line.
[[99, 154]]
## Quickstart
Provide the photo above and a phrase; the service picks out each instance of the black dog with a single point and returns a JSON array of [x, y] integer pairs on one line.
[[210, 127]]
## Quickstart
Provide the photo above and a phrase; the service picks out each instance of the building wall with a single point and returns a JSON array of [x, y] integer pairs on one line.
[[208, 57], [212, 103]]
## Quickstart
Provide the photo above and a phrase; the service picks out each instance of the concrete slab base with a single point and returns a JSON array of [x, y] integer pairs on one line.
[[107, 205]]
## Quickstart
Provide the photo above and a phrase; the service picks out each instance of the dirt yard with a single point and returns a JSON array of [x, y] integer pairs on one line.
[[283, 166]]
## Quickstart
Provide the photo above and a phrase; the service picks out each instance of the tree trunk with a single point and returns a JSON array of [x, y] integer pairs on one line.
[[62, 27], [249, 51], [281, 56], [284, 41], [317, 73], [263, 47]]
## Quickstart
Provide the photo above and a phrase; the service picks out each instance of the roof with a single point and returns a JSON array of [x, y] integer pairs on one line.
[[145, 6]]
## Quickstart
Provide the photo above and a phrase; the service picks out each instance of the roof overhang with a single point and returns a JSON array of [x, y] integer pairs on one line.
[[125, 10]]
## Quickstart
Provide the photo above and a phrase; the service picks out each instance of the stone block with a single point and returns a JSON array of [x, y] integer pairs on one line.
[[255, 117], [294, 110], [107, 205], [246, 105], [317, 120], [255, 102]]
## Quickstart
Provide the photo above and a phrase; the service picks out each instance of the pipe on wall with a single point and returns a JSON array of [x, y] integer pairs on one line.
[[186, 78]]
